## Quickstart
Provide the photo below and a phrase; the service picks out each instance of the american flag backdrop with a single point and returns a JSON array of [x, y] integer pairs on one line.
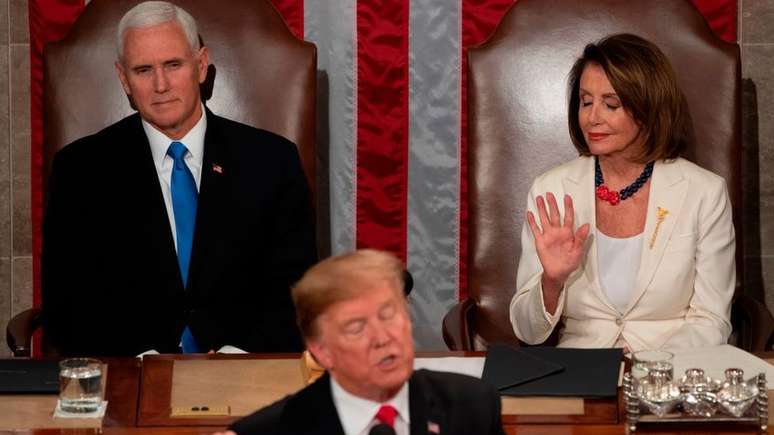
[[395, 126]]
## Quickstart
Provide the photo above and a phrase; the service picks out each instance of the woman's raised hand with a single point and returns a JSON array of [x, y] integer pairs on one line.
[[559, 248]]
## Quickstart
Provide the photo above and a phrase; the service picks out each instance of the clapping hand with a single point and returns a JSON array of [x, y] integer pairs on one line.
[[559, 248]]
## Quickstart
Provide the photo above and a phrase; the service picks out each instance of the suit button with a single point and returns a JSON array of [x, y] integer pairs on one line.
[[619, 322]]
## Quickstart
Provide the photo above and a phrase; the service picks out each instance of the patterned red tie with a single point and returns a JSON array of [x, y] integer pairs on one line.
[[386, 415]]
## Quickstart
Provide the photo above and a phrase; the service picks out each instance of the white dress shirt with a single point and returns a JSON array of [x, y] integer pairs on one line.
[[159, 143], [357, 414], [194, 142]]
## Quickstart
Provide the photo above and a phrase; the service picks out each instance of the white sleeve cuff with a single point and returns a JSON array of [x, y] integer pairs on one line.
[[230, 349]]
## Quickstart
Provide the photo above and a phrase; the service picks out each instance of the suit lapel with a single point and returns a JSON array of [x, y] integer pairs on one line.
[[579, 184], [149, 199], [209, 209], [667, 194], [424, 407], [311, 411]]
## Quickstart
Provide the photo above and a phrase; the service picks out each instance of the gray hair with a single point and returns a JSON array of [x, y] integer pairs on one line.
[[153, 13]]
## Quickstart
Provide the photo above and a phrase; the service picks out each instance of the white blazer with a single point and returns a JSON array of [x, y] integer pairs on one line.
[[687, 272]]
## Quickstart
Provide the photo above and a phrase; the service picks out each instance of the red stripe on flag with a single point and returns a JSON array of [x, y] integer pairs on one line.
[[293, 13], [479, 20], [49, 20], [382, 128], [721, 16]]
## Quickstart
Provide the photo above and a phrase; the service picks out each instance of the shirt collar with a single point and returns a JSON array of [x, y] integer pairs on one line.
[[193, 140], [356, 413]]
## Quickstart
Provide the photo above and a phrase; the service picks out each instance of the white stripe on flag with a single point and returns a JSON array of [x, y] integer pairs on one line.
[[434, 164], [330, 25]]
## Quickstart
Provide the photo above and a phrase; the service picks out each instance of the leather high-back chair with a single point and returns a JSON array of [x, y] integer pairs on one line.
[[263, 75], [260, 74], [519, 128]]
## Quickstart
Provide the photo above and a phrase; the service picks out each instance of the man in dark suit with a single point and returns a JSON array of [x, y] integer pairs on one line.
[[173, 226], [354, 318]]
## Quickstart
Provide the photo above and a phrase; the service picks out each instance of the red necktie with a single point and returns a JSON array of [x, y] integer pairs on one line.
[[386, 415]]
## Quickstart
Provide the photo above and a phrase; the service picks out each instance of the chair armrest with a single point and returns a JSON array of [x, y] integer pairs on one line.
[[20, 329], [456, 332], [753, 323]]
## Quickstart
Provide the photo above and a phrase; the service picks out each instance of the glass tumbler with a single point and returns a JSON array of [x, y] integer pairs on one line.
[[644, 361], [80, 385]]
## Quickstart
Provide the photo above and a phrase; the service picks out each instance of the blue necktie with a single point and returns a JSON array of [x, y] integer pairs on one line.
[[184, 198]]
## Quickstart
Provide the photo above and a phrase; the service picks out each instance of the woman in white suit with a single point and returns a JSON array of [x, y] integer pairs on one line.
[[650, 262]]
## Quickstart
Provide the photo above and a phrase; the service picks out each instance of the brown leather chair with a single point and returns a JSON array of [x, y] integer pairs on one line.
[[260, 74], [518, 129]]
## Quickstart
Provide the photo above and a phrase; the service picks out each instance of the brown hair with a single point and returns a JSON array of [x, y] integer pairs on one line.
[[342, 278], [647, 87]]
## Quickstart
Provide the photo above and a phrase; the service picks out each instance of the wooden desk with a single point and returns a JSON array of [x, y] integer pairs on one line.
[[121, 391], [139, 396], [157, 387], [522, 429]]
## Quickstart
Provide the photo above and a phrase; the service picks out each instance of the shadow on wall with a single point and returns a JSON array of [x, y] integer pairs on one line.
[[753, 284], [323, 141]]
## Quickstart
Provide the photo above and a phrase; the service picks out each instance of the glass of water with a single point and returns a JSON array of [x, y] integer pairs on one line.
[[646, 360], [80, 385]]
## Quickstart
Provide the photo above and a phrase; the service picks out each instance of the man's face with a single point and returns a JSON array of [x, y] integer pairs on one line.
[[366, 343], [161, 73]]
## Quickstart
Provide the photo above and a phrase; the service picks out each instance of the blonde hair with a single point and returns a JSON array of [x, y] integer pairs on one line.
[[342, 278]]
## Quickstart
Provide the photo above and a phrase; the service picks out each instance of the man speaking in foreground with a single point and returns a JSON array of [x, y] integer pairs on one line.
[[355, 321]]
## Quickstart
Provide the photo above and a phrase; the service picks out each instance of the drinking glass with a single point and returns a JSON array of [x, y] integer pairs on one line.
[[80, 385], [646, 360]]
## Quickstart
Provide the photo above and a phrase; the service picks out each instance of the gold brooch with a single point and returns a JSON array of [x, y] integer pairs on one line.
[[661, 214]]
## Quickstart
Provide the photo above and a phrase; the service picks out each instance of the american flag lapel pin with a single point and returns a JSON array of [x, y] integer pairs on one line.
[[433, 428], [217, 168]]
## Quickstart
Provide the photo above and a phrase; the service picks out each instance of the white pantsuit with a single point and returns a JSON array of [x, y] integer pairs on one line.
[[686, 275]]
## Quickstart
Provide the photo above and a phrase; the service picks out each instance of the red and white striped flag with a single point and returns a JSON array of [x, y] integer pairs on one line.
[[395, 126]]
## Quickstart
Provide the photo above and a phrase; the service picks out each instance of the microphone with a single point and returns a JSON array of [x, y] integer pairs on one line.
[[381, 429], [408, 282]]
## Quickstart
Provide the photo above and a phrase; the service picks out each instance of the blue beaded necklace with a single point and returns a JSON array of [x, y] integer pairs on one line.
[[613, 197]]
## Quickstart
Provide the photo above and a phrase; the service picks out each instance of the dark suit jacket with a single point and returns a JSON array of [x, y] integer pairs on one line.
[[458, 404], [110, 277]]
